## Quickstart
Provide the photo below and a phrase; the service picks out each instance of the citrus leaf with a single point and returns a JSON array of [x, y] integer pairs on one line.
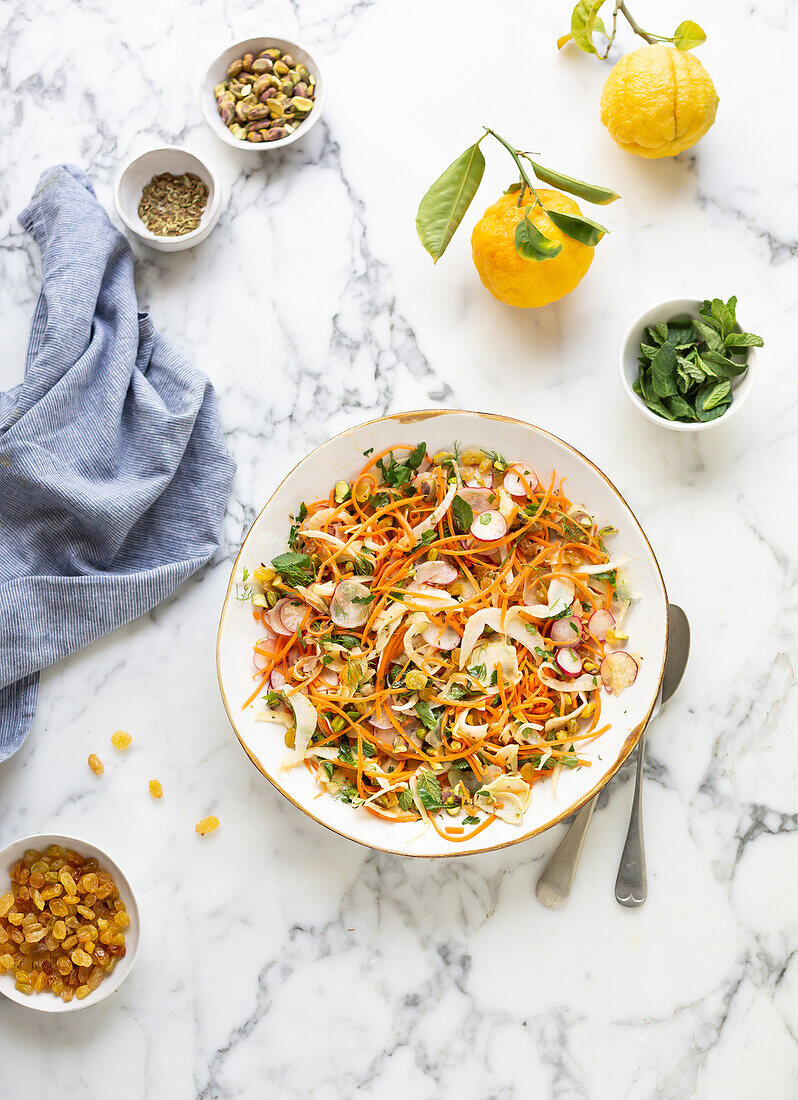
[[598, 25], [688, 35], [511, 190], [442, 208], [530, 243], [588, 191], [583, 23], [577, 228]]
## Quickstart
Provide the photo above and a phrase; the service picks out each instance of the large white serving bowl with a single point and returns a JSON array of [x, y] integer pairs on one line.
[[342, 457]]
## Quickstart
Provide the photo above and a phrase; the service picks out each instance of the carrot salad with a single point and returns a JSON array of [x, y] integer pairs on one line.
[[436, 638]]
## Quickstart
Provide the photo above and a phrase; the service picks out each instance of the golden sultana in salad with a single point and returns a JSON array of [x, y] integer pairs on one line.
[[436, 637]]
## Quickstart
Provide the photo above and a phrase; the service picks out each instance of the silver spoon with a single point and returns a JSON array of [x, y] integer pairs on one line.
[[631, 885], [557, 878]]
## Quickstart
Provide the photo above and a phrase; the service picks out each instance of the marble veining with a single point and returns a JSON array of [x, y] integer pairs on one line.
[[279, 960]]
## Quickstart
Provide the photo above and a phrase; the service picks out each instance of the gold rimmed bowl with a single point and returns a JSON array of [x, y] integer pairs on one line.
[[340, 458]]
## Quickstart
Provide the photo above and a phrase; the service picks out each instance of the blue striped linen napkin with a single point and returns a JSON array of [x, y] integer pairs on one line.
[[114, 475]]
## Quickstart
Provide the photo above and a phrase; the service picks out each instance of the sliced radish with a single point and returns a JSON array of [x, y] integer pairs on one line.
[[568, 662], [480, 481], [381, 723], [520, 480], [478, 500], [274, 618], [489, 526], [277, 680], [440, 637], [599, 623], [436, 572], [327, 676], [292, 614], [567, 631], [424, 597], [343, 609], [618, 671], [265, 649], [260, 660]]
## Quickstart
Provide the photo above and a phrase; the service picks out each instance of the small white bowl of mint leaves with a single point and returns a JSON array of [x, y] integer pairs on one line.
[[688, 364]]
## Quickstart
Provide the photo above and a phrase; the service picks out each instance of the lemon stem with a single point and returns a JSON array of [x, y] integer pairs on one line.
[[516, 154], [620, 6]]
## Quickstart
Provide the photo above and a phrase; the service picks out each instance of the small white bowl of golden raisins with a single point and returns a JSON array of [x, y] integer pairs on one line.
[[69, 923]]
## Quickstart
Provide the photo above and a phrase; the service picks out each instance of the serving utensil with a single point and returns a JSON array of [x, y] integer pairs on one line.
[[631, 885], [557, 878]]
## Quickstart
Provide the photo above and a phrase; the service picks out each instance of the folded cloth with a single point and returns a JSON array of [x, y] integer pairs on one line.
[[113, 470]]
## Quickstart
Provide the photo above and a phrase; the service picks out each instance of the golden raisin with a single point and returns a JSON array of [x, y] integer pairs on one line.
[[156, 790], [207, 825], [121, 740], [96, 764]]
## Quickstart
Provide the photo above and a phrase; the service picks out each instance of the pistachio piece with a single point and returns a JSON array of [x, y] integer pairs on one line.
[[254, 135], [275, 133], [276, 109], [247, 60], [281, 68], [235, 67], [301, 89], [301, 72], [227, 113], [260, 124], [219, 90], [262, 65], [342, 491], [242, 111], [268, 94], [273, 53], [260, 110], [288, 60], [238, 131], [301, 105]]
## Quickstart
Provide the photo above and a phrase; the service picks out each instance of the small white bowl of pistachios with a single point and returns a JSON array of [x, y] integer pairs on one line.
[[262, 94], [168, 198]]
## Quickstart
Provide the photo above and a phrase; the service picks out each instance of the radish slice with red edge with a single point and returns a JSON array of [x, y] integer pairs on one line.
[[568, 662], [440, 637], [618, 671], [292, 613], [599, 623], [328, 677], [520, 480], [381, 723], [566, 631], [478, 500], [344, 610], [275, 621], [436, 572], [489, 526], [277, 680]]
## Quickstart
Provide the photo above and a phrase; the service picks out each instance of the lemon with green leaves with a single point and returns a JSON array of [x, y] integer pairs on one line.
[[659, 99], [530, 247]]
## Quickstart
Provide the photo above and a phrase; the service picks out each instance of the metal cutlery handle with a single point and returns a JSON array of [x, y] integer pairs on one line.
[[631, 885], [557, 877]]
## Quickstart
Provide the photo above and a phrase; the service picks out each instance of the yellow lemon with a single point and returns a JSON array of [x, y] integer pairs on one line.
[[509, 277], [658, 101]]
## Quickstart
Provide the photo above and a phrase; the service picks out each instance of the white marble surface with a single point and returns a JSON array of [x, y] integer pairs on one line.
[[279, 960]]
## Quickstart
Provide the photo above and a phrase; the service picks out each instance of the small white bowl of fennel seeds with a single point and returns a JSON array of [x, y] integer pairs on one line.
[[168, 198]]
